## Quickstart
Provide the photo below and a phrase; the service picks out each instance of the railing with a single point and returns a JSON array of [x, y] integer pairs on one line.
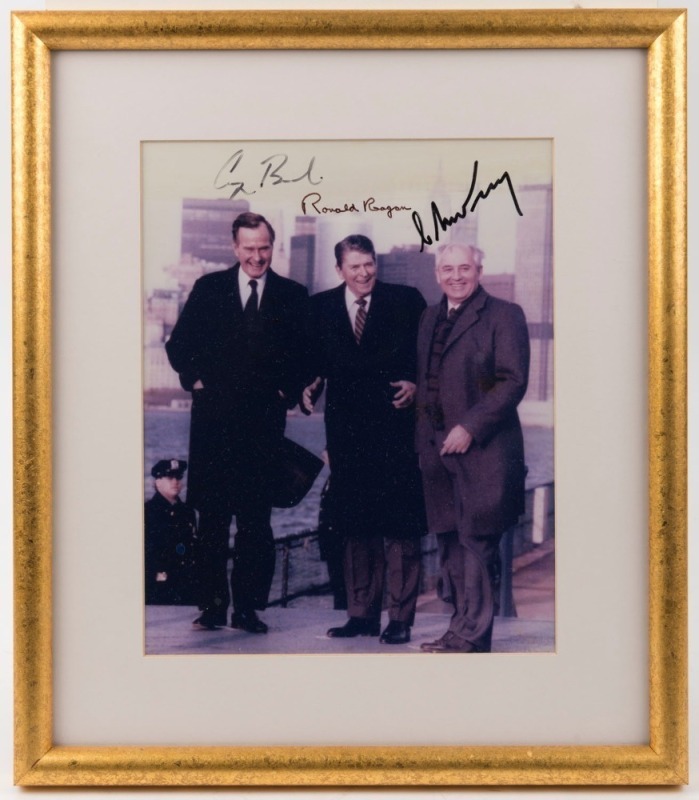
[[534, 527], [285, 545]]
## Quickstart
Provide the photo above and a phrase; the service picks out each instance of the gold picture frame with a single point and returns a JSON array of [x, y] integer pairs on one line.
[[664, 759]]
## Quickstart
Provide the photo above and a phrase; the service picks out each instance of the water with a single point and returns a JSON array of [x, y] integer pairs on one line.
[[166, 435]]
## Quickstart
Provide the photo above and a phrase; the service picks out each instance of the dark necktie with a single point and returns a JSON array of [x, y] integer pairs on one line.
[[433, 406], [360, 319], [250, 310]]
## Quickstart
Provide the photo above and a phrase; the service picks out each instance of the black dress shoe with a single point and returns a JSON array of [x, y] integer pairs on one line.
[[248, 621], [396, 633], [356, 626], [203, 624], [449, 643]]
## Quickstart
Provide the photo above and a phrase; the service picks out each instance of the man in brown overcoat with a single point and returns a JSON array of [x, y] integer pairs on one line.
[[473, 366]]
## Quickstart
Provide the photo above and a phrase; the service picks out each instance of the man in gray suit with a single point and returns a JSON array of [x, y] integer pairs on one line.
[[473, 366]]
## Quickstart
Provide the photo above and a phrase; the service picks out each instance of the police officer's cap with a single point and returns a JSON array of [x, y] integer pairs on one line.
[[169, 468]]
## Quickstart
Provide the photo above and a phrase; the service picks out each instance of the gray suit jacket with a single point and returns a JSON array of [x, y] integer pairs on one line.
[[483, 375]]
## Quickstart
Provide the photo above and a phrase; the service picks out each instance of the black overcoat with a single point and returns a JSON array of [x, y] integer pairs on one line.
[[239, 417], [376, 486], [483, 375]]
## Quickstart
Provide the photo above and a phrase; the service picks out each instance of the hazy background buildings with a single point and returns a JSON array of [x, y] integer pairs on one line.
[[523, 272], [206, 247]]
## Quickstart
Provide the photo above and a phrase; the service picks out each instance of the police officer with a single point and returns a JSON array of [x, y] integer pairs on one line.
[[170, 539]]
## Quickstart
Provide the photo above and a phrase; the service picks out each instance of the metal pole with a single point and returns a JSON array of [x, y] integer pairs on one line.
[[285, 575], [507, 601]]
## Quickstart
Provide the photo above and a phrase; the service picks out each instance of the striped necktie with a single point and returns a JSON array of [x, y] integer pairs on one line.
[[360, 319]]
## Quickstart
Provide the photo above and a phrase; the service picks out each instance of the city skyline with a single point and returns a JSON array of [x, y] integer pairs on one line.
[[404, 174], [518, 216]]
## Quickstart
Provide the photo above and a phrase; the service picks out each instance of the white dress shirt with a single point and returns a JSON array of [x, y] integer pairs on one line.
[[244, 286], [352, 307]]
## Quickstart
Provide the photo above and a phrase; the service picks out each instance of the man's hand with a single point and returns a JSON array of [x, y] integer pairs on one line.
[[308, 397], [198, 385], [405, 394], [160, 576], [458, 441]]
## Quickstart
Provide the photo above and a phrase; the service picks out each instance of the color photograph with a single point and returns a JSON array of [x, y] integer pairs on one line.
[[348, 397]]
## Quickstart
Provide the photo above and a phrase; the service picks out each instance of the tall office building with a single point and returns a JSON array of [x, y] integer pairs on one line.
[[501, 285], [465, 231], [281, 261], [534, 284], [206, 228], [187, 271], [158, 375], [160, 315], [163, 304], [302, 251], [305, 225], [302, 259], [407, 265]]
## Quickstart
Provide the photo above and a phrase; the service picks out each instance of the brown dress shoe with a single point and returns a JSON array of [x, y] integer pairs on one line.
[[449, 643]]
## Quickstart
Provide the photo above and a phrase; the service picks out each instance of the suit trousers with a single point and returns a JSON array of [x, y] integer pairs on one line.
[[470, 564], [253, 560], [471, 582], [371, 561]]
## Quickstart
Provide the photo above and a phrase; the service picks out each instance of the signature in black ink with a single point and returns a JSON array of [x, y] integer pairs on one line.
[[313, 199], [441, 223], [269, 174], [370, 205]]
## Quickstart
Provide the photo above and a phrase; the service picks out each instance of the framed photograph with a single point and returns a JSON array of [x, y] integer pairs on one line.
[[183, 183], [190, 202]]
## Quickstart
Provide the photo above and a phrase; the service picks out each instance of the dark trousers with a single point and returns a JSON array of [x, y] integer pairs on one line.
[[470, 564], [471, 582], [253, 560], [371, 560]]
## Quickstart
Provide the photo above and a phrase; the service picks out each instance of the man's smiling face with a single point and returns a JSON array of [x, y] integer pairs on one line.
[[358, 271]]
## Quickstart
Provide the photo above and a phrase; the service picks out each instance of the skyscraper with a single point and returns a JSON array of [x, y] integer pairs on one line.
[[501, 285], [302, 259], [206, 228], [534, 284], [407, 265], [465, 231]]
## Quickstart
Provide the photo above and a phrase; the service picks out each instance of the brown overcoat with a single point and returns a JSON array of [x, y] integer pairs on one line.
[[483, 373]]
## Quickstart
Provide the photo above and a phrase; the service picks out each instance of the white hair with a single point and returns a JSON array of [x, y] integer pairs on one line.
[[474, 252]]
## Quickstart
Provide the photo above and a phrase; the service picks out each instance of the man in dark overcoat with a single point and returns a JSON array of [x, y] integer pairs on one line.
[[473, 367], [363, 340], [239, 346], [170, 539]]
